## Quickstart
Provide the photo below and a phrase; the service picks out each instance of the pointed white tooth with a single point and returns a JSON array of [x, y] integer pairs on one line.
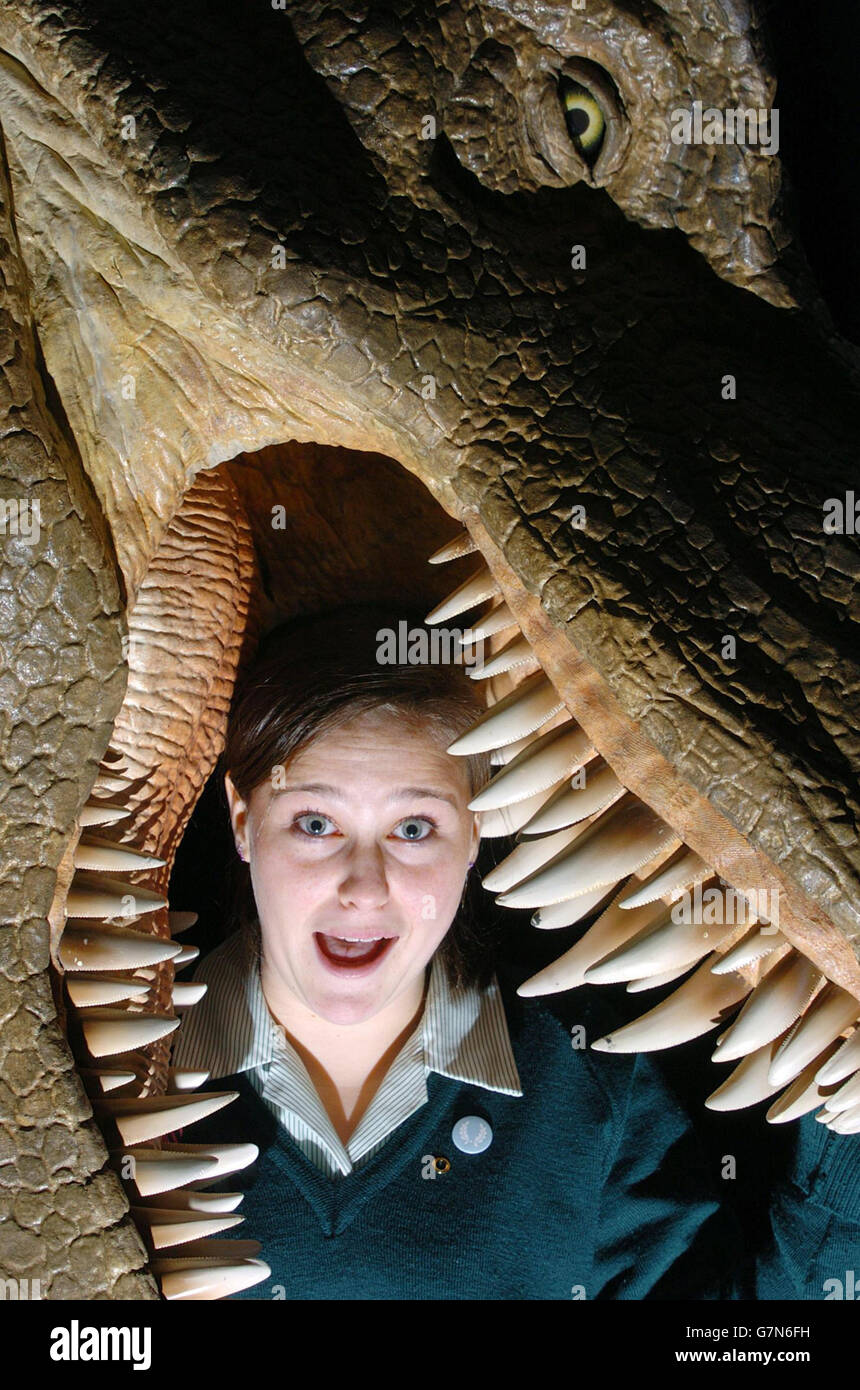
[[211, 1281], [184, 995], [748, 1083], [681, 871], [184, 1080], [802, 1095], [573, 803], [619, 842], [695, 1008], [106, 1080], [759, 941], [831, 1011], [663, 945], [231, 1158], [611, 929], [565, 914], [453, 550], [105, 897], [655, 981], [528, 857], [102, 856], [205, 1202], [155, 1171], [508, 820], [110, 785], [166, 1227], [777, 1000], [517, 652], [534, 701], [846, 1123], [845, 1098], [481, 585], [89, 991], [546, 760], [489, 623], [844, 1062], [178, 922], [154, 1116], [102, 813], [87, 946], [186, 956], [110, 1031]]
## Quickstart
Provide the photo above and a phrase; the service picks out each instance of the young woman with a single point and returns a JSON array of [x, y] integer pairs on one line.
[[424, 1132]]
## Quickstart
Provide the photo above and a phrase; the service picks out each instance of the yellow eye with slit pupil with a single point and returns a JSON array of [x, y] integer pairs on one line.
[[586, 122]]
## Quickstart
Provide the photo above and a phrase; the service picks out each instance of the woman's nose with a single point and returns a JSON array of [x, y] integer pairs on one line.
[[364, 883]]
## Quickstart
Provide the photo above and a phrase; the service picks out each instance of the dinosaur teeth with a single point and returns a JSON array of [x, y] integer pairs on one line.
[[103, 856], [758, 942], [209, 1281], [186, 956], [681, 871], [525, 709], [102, 813], [151, 1118], [110, 898], [90, 991], [184, 995], [481, 585], [178, 922], [153, 1171], [508, 820], [847, 1123], [168, 1227], [179, 1200], [488, 623], [775, 1003], [847, 1096], [528, 857], [655, 981], [619, 842], [571, 804], [664, 945], [749, 1083], [803, 1095], [515, 653], [611, 929], [453, 550], [571, 910], [844, 1062], [231, 1158], [108, 1081], [831, 1011], [547, 760], [180, 1079], [697, 1006], [110, 1031], [90, 947]]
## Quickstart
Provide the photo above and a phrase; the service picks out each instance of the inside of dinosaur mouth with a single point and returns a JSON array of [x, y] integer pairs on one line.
[[581, 846]]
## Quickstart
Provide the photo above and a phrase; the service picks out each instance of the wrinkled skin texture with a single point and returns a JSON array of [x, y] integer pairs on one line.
[[145, 253]]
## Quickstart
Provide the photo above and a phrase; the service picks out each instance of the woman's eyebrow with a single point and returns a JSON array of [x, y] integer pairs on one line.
[[399, 793]]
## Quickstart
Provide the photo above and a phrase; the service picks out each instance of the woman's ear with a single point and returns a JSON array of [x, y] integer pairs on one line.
[[238, 817]]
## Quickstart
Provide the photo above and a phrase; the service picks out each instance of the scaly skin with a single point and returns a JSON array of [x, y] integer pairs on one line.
[[148, 255]]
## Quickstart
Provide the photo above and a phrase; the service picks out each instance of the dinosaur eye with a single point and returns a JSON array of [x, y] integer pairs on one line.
[[586, 122]]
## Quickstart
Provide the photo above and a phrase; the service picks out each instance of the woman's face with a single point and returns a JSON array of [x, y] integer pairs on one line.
[[366, 835]]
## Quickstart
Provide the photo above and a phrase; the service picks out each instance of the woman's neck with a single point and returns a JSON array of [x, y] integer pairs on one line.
[[346, 1063]]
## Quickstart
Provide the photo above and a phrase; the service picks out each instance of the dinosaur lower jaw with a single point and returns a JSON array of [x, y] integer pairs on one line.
[[609, 836]]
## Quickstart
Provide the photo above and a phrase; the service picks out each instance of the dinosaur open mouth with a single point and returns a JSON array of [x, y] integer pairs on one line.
[[607, 834]]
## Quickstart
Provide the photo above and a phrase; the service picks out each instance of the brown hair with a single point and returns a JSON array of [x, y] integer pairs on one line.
[[312, 675]]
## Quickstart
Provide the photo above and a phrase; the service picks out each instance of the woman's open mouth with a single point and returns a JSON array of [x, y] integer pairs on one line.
[[345, 954]]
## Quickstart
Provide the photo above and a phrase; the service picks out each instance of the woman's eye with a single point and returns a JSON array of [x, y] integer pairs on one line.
[[415, 828], [586, 122], [313, 823]]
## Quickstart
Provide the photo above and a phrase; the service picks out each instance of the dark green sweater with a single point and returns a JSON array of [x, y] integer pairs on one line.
[[594, 1186]]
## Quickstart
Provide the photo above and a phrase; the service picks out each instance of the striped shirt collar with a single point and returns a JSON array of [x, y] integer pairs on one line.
[[463, 1033]]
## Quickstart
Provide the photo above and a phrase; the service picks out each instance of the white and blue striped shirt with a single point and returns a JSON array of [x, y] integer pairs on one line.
[[463, 1034]]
